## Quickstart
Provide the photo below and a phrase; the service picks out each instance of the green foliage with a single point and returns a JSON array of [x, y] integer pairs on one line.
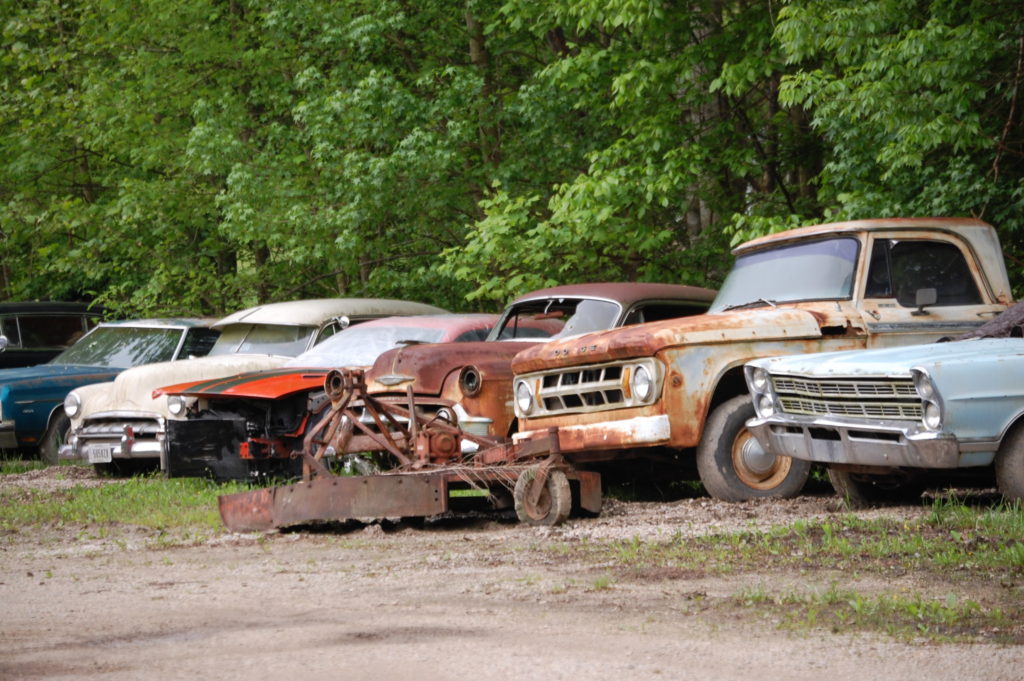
[[195, 156]]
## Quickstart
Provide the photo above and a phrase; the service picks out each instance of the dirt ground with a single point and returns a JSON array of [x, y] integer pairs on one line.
[[476, 599]]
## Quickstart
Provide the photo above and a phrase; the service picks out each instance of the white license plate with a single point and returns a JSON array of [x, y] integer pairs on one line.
[[99, 454]]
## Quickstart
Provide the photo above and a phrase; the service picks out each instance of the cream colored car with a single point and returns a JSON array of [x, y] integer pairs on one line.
[[120, 425]]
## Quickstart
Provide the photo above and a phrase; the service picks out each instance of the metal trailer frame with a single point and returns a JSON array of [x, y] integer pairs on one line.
[[428, 462]]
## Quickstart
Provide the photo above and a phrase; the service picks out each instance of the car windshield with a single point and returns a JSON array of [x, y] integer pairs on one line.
[[818, 270], [263, 339], [122, 346], [555, 318], [359, 345]]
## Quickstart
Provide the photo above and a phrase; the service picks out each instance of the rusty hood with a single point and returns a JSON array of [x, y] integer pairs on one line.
[[426, 367], [645, 340]]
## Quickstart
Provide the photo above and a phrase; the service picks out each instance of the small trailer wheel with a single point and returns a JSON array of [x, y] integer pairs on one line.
[[553, 504]]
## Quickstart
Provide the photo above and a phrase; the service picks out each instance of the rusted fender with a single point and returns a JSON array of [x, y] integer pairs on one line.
[[430, 364]]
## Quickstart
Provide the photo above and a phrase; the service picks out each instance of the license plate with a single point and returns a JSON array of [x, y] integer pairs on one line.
[[99, 454]]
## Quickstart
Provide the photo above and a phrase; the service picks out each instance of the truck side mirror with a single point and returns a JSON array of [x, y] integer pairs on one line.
[[924, 296], [3, 343]]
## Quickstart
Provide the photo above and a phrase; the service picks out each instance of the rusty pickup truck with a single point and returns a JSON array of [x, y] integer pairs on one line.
[[677, 386]]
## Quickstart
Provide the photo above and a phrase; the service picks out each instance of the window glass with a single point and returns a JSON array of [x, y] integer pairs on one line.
[[50, 331], [899, 269], [198, 342], [263, 339], [555, 318], [122, 346], [360, 345], [655, 312], [815, 270], [9, 328]]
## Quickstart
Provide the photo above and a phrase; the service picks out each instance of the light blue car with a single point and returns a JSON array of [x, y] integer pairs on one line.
[[31, 417], [881, 419]]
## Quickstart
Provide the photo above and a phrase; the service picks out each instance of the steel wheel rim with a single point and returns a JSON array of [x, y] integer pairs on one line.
[[755, 467]]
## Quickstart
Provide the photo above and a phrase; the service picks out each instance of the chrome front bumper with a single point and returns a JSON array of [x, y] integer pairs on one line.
[[104, 442], [8, 438], [877, 443]]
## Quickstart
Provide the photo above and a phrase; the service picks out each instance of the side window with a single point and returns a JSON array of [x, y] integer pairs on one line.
[[50, 331], [655, 312], [9, 328], [326, 332], [198, 342], [899, 269], [472, 335]]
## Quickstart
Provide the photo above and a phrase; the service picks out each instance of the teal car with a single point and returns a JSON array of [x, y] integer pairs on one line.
[[31, 417]]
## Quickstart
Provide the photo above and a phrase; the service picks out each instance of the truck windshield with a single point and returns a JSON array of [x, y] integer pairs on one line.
[[816, 270], [263, 339], [555, 318], [122, 346]]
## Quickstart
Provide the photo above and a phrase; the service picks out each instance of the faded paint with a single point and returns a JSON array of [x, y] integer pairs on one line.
[[698, 352]]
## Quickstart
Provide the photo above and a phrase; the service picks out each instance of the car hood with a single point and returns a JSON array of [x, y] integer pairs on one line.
[[132, 390], [645, 340], [270, 384], [898, 361], [57, 379], [426, 367]]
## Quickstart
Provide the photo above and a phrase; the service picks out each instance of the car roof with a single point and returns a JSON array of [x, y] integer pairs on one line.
[[317, 311], [162, 322], [453, 321], [47, 306], [963, 225], [624, 292]]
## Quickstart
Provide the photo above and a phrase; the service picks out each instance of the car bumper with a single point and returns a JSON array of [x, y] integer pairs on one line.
[[875, 444], [641, 431], [108, 441]]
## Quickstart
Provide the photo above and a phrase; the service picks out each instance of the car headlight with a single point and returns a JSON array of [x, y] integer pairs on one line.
[[642, 383], [932, 416], [72, 404], [924, 386], [759, 379], [524, 397], [764, 405], [176, 404], [470, 381], [447, 415]]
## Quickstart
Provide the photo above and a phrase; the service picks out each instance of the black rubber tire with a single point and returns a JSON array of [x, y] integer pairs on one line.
[[724, 452], [56, 434], [553, 506], [1010, 466], [860, 490]]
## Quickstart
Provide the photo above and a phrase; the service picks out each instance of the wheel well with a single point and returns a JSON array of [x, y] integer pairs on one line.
[[729, 386], [1016, 424]]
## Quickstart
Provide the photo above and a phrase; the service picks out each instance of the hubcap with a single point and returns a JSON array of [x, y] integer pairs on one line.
[[754, 466]]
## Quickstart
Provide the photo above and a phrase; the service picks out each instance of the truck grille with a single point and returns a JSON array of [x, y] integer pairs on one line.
[[592, 388], [853, 398]]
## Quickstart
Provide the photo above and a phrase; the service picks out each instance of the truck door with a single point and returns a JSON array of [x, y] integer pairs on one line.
[[921, 290]]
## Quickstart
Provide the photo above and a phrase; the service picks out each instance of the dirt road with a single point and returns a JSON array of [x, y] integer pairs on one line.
[[461, 600]]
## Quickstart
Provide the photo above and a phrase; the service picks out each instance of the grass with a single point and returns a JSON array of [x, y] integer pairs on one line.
[[954, 549], [188, 504], [13, 466]]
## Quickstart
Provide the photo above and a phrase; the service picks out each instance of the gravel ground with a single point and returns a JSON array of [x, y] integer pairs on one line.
[[448, 600]]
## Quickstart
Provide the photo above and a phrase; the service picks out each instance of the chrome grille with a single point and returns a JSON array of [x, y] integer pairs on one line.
[[871, 398], [598, 387]]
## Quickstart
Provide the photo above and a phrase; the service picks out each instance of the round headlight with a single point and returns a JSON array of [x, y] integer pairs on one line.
[[923, 385], [932, 416], [176, 404], [447, 415], [72, 405], [642, 383], [524, 397], [765, 406], [470, 381], [759, 379]]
